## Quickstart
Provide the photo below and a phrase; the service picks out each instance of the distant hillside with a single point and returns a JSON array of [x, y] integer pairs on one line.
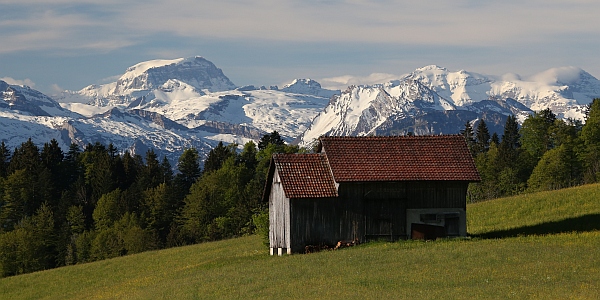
[[542, 245]]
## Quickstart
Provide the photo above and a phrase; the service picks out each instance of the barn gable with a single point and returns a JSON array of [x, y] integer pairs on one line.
[[362, 188], [305, 175]]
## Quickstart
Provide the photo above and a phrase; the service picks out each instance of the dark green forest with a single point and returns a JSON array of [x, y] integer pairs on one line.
[[62, 208], [544, 153], [59, 209]]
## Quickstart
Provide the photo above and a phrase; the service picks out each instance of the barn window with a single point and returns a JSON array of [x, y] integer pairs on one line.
[[430, 218]]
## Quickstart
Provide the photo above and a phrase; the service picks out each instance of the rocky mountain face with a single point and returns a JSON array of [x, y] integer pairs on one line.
[[166, 105], [28, 101], [432, 100], [171, 105], [146, 79]]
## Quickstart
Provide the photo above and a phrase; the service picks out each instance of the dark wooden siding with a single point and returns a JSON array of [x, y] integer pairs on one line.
[[437, 194], [367, 211]]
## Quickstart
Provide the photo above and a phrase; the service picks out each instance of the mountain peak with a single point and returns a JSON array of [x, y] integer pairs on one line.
[[195, 71], [431, 68], [309, 87]]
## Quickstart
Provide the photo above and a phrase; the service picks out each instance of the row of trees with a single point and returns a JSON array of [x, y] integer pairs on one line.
[[61, 208], [545, 153]]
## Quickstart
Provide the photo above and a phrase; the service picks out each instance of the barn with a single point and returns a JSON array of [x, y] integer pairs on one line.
[[368, 188]]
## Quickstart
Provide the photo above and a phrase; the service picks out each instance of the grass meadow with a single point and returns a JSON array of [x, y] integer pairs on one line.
[[536, 246]]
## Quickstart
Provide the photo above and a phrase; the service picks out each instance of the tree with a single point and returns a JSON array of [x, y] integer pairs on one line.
[[271, 138], [467, 133], [27, 157], [108, 210], [159, 209], [151, 174], [18, 200], [508, 151], [495, 139], [99, 175], [590, 135], [132, 166], [4, 159], [30, 247], [189, 169], [556, 169], [217, 156], [52, 156], [489, 169], [482, 137], [166, 170], [536, 133], [510, 137], [248, 155]]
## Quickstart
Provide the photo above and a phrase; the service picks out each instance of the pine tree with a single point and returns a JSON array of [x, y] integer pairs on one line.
[[151, 174], [167, 171], [189, 168], [52, 156], [495, 139], [508, 149], [271, 138], [590, 135], [467, 133], [27, 157], [217, 156], [482, 137], [4, 159]]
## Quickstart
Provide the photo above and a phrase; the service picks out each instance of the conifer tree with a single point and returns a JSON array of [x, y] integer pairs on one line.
[[4, 159], [467, 133], [271, 138], [482, 137], [217, 156], [189, 168], [590, 135]]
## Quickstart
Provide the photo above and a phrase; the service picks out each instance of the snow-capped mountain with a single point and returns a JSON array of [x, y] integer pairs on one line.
[[166, 105], [433, 100], [197, 74], [563, 90], [193, 92], [170, 105], [308, 87], [26, 100]]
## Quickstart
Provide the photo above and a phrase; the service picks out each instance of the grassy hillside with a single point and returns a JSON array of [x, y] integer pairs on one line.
[[543, 246]]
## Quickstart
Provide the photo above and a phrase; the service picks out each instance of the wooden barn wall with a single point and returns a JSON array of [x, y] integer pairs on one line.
[[437, 194], [279, 215], [367, 211]]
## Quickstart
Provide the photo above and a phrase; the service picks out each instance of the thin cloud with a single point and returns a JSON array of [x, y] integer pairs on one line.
[[342, 82], [121, 24], [28, 82]]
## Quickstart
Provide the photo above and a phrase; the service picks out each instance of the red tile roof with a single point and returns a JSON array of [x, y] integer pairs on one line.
[[399, 158], [305, 175]]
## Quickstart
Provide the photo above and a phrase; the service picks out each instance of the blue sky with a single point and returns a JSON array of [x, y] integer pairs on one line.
[[63, 44]]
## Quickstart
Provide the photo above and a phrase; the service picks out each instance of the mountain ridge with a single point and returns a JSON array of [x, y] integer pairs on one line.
[[189, 102]]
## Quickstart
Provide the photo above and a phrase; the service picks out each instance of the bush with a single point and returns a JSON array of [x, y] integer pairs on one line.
[[260, 219]]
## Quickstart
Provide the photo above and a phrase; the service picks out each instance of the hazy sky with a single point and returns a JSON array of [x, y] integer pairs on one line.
[[66, 44]]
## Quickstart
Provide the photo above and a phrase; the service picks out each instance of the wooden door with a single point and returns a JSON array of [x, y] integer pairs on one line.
[[384, 219]]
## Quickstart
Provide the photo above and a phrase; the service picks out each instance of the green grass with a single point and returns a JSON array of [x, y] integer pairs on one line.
[[519, 250]]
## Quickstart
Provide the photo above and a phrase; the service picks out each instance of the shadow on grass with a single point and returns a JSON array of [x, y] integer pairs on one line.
[[578, 224]]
